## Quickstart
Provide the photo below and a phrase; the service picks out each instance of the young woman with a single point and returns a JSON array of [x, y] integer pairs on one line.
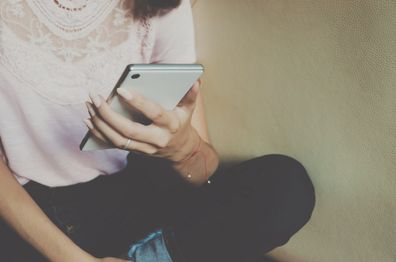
[[160, 194]]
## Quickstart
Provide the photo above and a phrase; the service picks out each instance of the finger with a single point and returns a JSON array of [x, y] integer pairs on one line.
[[94, 131], [123, 125], [150, 109], [120, 141], [189, 99], [139, 147]]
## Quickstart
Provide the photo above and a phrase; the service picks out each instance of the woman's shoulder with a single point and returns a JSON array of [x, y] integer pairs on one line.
[[175, 36]]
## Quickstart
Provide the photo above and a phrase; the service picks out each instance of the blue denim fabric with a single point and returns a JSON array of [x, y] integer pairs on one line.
[[150, 249]]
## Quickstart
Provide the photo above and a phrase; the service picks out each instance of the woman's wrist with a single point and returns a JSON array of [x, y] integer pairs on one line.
[[83, 256], [200, 164], [191, 145], [71, 252], [194, 149]]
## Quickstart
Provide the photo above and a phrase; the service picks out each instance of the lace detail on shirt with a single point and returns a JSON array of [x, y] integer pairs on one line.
[[64, 55], [77, 23]]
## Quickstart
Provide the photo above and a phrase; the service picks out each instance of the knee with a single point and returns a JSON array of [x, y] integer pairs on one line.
[[297, 199], [292, 189]]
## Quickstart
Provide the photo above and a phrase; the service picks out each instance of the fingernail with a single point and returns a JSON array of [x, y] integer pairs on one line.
[[95, 99], [90, 109], [124, 93], [88, 123]]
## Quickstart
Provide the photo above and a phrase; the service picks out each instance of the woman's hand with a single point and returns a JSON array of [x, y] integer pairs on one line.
[[111, 259], [170, 135]]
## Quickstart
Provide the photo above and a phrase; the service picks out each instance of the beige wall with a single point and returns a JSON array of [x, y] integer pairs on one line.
[[315, 80]]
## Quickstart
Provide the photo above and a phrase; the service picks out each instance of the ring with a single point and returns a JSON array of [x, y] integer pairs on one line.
[[127, 143]]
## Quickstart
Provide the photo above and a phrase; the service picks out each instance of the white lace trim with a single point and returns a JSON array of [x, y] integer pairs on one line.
[[37, 28], [77, 24], [64, 71]]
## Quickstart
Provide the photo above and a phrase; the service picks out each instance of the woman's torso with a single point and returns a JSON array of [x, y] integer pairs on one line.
[[50, 59]]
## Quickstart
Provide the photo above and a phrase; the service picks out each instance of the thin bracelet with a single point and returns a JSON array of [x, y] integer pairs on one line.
[[189, 176], [193, 152]]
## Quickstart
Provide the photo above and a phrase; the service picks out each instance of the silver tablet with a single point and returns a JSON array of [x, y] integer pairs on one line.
[[165, 84]]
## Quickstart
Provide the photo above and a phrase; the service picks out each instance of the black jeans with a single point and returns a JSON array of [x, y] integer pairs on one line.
[[247, 210]]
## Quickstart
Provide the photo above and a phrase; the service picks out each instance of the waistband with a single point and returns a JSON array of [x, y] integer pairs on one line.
[[42, 193]]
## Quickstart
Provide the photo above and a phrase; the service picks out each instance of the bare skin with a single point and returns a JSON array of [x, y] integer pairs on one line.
[[182, 129]]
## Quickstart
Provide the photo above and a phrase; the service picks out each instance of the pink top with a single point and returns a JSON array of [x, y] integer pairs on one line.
[[51, 58]]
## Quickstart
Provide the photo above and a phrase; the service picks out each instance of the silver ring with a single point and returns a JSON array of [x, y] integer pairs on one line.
[[127, 143]]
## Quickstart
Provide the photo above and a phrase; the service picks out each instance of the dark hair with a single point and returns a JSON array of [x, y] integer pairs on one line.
[[150, 8]]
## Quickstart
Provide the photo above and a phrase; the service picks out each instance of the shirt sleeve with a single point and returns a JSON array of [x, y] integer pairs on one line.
[[175, 36]]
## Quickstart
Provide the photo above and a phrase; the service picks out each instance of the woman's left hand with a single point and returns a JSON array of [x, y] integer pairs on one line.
[[170, 135]]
